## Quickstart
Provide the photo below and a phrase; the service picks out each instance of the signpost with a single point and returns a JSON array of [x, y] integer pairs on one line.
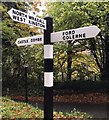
[[48, 70], [26, 18], [30, 40], [48, 39], [75, 34]]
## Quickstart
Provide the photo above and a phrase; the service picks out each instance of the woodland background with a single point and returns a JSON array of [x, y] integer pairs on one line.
[[80, 65]]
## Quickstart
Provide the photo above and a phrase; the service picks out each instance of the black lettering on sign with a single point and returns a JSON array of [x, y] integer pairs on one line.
[[37, 24], [40, 20], [33, 23], [15, 12], [67, 37], [73, 32], [36, 39], [80, 35], [37, 20], [63, 37], [76, 36], [18, 42], [71, 35], [31, 17], [20, 19], [70, 32], [18, 13], [22, 41], [43, 26], [39, 39], [25, 41], [14, 17], [31, 40], [84, 35]]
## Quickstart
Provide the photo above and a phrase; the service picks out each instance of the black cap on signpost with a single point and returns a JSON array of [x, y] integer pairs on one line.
[[48, 70]]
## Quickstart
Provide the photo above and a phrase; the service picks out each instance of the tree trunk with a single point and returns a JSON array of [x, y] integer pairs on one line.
[[69, 61], [105, 72], [62, 76]]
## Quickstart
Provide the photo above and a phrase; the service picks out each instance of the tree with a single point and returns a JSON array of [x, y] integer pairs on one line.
[[60, 56], [78, 14], [15, 57], [99, 47]]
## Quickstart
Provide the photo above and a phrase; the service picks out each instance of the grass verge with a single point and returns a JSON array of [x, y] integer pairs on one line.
[[10, 109]]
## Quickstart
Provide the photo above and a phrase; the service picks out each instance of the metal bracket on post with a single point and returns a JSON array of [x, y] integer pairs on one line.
[[48, 70]]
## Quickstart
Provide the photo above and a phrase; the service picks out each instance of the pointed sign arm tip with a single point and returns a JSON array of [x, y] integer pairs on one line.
[[10, 12]]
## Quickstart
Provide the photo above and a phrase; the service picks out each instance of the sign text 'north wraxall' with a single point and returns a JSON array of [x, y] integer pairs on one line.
[[26, 18]]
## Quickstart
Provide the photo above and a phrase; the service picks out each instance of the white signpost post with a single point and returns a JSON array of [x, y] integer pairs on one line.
[[47, 39], [26, 18], [30, 40], [75, 34]]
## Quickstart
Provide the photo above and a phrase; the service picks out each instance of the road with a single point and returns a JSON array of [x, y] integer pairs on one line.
[[97, 111]]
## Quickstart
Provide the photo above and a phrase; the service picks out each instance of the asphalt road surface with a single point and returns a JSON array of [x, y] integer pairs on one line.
[[97, 111]]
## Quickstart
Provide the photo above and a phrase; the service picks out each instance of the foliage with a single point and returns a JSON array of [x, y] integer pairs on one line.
[[82, 64], [14, 58], [12, 110], [74, 114], [66, 16], [78, 14]]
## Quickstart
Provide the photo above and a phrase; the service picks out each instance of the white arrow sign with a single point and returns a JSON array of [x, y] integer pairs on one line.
[[75, 34], [26, 18], [30, 40]]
